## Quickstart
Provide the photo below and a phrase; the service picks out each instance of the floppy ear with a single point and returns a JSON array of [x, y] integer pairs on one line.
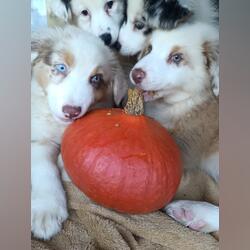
[[211, 53], [41, 45], [60, 9], [120, 86]]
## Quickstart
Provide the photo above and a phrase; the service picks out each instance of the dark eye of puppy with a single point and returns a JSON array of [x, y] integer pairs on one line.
[[96, 80], [176, 58], [139, 25], [109, 4], [85, 13]]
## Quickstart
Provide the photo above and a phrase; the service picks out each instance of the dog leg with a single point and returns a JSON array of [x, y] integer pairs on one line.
[[197, 215], [64, 174], [48, 200]]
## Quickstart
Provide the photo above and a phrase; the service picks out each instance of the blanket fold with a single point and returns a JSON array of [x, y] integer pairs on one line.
[[93, 227]]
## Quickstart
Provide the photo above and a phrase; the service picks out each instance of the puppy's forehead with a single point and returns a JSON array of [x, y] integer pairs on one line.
[[188, 35], [79, 5], [84, 48], [135, 9]]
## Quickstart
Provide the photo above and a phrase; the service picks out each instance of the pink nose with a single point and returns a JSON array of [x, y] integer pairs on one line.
[[138, 75], [71, 111]]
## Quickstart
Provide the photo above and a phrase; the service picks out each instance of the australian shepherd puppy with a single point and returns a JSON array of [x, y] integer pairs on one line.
[[103, 18], [177, 75], [143, 16], [72, 72]]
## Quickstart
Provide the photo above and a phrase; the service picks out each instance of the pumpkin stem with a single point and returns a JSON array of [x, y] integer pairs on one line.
[[135, 102]]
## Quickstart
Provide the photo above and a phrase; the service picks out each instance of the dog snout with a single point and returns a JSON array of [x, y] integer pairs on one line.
[[138, 75], [107, 38], [71, 111]]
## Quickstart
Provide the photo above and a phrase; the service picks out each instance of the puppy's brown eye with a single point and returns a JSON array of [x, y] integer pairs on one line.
[[85, 13], [109, 4], [96, 80], [177, 58], [139, 25]]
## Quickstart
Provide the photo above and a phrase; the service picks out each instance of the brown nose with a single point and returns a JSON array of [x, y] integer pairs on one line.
[[138, 75], [71, 111]]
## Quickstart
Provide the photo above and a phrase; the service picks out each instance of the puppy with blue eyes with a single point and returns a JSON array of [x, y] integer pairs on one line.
[[178, 75], [72, 73]]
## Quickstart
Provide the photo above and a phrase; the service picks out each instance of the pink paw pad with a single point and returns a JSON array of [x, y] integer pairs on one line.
[[197, 225], [183, 214]]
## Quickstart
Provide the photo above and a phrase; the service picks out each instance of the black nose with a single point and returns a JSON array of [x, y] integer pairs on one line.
[[117, 46], [106, 37], [71, 111], [138, 75]]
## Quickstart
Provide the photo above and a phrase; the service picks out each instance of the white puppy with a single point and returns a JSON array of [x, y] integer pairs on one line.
[[72, 72], [143, 16], [103, 18], [176, 73]]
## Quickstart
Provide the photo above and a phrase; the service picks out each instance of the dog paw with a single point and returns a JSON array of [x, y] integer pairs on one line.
[[47, 217], [199, 216]]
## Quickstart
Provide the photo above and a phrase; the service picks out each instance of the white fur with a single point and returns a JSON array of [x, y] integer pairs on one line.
[[98, 22], [210, 165], [132, 40], [48, 201], [56, 8], [199, 216], [178, 84], [180, 88]]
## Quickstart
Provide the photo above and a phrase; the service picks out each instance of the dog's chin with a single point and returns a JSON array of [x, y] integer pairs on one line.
[[62, 120]]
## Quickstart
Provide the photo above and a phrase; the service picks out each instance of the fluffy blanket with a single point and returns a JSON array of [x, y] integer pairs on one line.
[[91, 226]]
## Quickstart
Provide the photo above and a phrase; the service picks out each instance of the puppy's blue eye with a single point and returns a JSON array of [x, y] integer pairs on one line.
[[177, 58], [61, 68]]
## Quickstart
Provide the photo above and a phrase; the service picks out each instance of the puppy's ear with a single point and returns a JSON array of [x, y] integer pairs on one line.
[[41, 45], [170, 13], [120, 87], [211, 53], [60, 9]]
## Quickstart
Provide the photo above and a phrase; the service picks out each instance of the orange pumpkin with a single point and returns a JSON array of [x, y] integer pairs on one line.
[[129, 163]]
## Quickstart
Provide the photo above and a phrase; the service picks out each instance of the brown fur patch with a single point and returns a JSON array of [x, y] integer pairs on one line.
[[41, 72], [101, 92], [197, 133], [210, 51], [69, 58], [177, 49]]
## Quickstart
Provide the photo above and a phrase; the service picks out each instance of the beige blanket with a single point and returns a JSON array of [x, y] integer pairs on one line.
[[91, 226]]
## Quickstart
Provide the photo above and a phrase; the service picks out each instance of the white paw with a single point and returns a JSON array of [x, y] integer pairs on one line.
[[47, 216], [199, 216]]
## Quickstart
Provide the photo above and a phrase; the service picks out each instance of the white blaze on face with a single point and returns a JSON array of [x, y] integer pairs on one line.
[[190, 75], [86, 53], [97, 18], [131, 39]]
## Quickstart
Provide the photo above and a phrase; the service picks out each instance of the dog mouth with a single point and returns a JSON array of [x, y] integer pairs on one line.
[[148, 95], [65, 120]]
